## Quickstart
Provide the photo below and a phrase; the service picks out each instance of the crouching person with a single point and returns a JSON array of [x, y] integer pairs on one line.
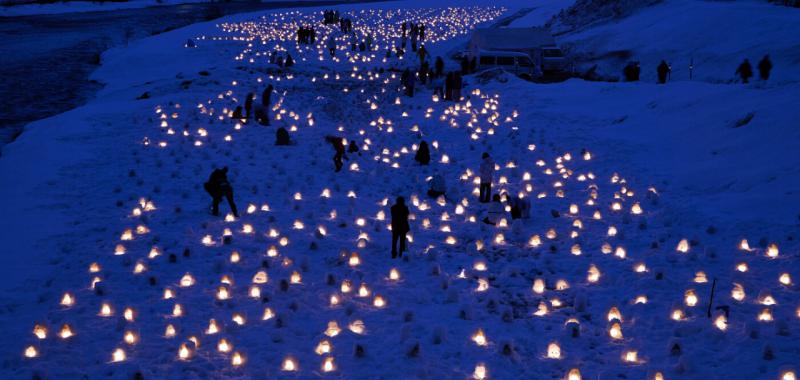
[[437, 186], [219, 187], [496, 211]]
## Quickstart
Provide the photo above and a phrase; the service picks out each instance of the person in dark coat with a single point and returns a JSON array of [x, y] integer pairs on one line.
[[289, 60], [266, 95], [745, 70], [339, 147], [663, 70], [400, 226], [458, 83], [423, 155], [464, 65], [282, 137], [352, 148], [439, 65], [448, 86], [248, 104], [218, 187], [631, 71], [764, 67], [237, 113]]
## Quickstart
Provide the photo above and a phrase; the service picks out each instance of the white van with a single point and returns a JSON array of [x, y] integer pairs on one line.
[[511, 61]]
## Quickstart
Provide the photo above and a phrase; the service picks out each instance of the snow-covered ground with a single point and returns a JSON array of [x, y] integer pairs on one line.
[[641, 197]]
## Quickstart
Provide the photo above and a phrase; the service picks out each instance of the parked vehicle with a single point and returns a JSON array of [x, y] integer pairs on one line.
[[514, 62]]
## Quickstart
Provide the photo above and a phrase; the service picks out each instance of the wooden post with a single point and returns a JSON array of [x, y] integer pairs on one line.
[[711, 299]]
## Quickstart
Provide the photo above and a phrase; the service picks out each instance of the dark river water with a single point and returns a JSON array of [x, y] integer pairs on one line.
[[45, 60]]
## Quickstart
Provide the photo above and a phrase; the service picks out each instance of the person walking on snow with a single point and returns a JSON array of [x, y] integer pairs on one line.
[[331, 44], [745, 71], [663, 70], [764, 67], [486, 171], [218, 187], [339, 146], [400, 226], [423, 155]]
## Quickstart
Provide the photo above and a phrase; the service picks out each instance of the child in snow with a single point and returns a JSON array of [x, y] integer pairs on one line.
[[218, 187]]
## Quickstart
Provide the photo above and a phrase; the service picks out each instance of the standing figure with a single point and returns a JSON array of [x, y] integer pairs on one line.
[[399, 226], [745, 70], [248, 104], [764, 67], [423, 155], [339, 146], [487, 173], [439, 65], [663, 69], [331, 46], [218, 187]]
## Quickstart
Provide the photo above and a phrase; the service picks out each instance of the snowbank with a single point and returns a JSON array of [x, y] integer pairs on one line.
[[714, 36]]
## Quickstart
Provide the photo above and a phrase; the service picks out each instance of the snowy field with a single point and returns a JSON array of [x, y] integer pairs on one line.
[[643, 197]]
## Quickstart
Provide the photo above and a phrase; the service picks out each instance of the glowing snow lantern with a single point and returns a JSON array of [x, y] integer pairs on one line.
[[772, 251], [31, 352], [538, 286], [128, 314], [690, 298], [354, 260], [357, 327], [105, 310], [574, 374], [296, 278], [268, 314], [328, 365], [785, 279], [721, 322], [738, 292], [169, 332], [223, 346], [333, 329], [480, 338], [744, 245], [683, 246], [480, 372], [553, 351], [118, 355], [394, 274], [212, 327], [614, 314], [765, 316], [184, 353], [238, 319], [483, 285], [67, 300], [631, 356], [677, 315], [223, 293], [40, 331], [615, 332], [130, 337], [237, 359], [187, 280], [363, 290], [65, 332], [177, 310], [379, 302]]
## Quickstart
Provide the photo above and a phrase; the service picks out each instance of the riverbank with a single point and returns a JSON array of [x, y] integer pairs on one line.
[[54, 54]]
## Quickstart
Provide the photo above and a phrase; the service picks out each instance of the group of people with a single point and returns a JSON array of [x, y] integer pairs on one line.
[[745, 70], [306, 35], [663, 70], [415, 32], [277, 58], [330, 17]]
